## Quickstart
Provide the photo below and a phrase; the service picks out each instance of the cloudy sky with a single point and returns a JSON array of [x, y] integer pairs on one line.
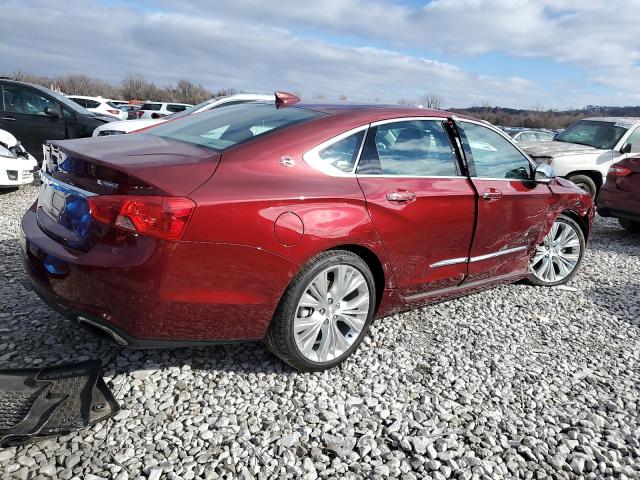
[[514, 53]]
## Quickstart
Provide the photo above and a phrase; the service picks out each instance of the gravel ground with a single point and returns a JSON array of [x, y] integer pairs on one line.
[[517, 382]]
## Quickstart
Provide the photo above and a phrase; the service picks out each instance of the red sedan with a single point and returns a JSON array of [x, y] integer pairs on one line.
[[620, 195], [293, 223]]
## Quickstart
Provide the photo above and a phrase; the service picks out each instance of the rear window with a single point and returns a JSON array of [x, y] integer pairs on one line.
[[151, 106], [176, 108], [222, 128]]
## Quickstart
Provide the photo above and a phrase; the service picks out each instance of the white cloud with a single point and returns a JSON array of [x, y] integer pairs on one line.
[[251, 45]]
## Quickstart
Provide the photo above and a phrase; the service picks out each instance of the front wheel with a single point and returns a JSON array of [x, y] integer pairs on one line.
[[559, 255], [324, 313], [586, 183]]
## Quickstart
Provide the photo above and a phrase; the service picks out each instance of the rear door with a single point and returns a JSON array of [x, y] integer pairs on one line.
[[422, 207], [23, 115], [511, 207]]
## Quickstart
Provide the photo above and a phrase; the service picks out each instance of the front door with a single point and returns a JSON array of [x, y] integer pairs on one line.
[[420, 204], [23, 115], [511, 207]]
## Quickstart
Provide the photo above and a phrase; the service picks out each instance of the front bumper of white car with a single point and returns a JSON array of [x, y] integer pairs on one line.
[[16, 172]]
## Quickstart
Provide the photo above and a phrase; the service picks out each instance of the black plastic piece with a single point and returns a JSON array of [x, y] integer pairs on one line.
[[52, 400]]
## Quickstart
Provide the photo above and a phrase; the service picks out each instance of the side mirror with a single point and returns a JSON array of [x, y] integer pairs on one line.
[[53, 112], [626, 148], [544, 173]]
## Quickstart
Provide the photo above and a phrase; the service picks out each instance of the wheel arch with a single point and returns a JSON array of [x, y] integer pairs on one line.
[[373, 262], [582, 221], [594, 175]]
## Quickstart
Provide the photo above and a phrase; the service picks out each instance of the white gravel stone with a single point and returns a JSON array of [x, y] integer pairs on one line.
[[515, 382]]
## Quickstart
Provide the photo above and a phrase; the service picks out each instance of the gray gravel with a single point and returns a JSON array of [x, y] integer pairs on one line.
[[518, 382]]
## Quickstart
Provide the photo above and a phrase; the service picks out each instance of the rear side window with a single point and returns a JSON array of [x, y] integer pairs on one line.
[[92, 104], [176, 108], [417, 148], [337, 155], [80, 101], [222, 128], [151, 106]]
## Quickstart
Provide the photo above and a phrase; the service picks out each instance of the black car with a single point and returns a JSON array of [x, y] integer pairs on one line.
[[35, 114]]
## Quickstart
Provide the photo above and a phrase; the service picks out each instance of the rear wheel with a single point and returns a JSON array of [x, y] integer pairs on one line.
[[629, 225], [559, 255], [586, 183], [324, 313]]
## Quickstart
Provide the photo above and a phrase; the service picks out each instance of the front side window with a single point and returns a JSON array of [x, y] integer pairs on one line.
[[634, 140], [494, 156], [22, 100], [222, 128], [409, 149]]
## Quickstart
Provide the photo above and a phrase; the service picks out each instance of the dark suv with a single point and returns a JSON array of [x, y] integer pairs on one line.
[[35, 114]]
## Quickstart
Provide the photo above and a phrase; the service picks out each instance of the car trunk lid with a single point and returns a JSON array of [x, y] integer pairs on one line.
[[140, 165]]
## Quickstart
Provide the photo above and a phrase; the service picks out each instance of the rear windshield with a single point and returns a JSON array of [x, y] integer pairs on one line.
[[222, 128]]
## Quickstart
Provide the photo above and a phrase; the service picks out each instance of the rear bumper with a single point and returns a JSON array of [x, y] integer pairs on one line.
[[153, 293], [616, 203]]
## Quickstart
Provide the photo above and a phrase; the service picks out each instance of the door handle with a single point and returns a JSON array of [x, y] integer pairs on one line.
[[492, 194], [10, 119], [401, 196]]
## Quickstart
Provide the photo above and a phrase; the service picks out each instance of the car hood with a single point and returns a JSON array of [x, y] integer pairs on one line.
[[132, 125], [557, 149]]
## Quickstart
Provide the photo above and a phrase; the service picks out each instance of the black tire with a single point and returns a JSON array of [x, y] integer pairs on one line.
[[586, 183], [629, 225], [535, 280], [280, 338]]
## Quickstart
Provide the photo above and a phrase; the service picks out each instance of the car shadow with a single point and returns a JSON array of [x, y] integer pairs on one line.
[[33, 335], [619, 301]]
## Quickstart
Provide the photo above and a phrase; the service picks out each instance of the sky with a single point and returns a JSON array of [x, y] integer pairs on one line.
[[511, 53]]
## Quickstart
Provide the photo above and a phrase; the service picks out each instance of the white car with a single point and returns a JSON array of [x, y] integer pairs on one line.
[[128, 126], [105, 106], [16, 164], [161, 109], [584, 152]]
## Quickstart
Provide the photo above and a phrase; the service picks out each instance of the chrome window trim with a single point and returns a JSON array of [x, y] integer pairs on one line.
[[312, 158], [406, 119], [373, 175], [497, 254], [507, 138]]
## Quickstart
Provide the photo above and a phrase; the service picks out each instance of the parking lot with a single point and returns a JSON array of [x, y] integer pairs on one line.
[[515, 382]]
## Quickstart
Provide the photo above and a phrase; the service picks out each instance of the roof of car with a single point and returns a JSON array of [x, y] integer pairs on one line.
[[614, 119]]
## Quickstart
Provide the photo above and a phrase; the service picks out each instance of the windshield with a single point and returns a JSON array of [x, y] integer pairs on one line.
[[604, 135], [221, 128]]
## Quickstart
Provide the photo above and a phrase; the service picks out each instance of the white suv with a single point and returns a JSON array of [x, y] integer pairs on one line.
[[128, 126], [105, 106], [584, 152], [160, 109]]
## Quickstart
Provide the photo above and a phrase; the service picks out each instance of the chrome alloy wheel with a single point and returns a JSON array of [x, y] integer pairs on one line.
[[331, 313], [558, 255]]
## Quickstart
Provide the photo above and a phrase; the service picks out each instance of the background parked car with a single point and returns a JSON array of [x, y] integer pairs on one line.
[[160, 109], [100, 105], [584, 151], [35, 114], [519, 135], [16, 165], [130, 111], [129, 126], [620, 195]]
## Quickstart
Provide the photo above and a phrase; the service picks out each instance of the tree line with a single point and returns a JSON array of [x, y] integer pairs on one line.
[[132, 87]]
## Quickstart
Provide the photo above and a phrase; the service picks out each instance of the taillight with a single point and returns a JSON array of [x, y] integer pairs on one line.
[[619, 171], [140, 113], [161, 217], [114, 112]]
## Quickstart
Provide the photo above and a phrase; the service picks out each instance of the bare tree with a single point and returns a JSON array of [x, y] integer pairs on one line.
[[431, 101], [342, 97], [409, 102]]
